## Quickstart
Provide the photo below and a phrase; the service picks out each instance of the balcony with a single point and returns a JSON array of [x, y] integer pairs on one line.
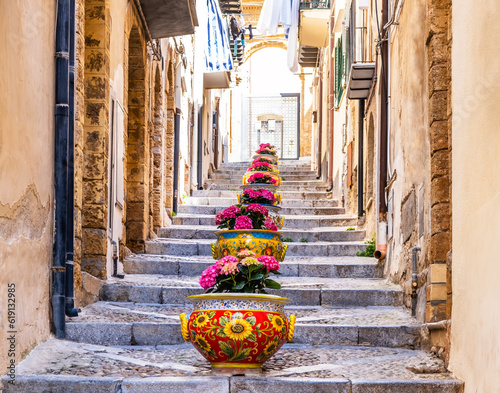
[[169, 18], [313, 23], [229, 7]]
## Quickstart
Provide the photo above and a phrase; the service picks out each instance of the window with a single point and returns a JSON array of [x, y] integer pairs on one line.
[[340, 65]]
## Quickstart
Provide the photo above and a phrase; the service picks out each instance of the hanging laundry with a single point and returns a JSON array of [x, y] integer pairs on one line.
[[292, 49], [286, 16], [250, 32], [270, 17], [234, 27], [217, 50]]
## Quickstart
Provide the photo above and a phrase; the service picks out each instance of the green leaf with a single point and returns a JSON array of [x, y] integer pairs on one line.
[[220, 332], [240, 285], [257, 277], [242, 355], [211, 314], [272, 284], [252, 338], [223, 321], [226, 349], [251, 320]]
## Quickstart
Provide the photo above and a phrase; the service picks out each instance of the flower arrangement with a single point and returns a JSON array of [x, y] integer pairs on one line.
[[261, 178], [243, 273], [252, 216], [263, 159], [258, 196], [261, 166], [267, 148]]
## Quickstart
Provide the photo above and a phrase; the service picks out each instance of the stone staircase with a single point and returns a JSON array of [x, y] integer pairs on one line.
[[352, 334]]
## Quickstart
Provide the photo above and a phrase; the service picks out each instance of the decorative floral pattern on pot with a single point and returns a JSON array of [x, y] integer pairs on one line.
[[262, 178], [261, 242]]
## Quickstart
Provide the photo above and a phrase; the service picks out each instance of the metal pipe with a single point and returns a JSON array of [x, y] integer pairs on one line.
[[115, 260], [331, 106], [69, 303], [361, 116], [61, 167], [177, 121], [320, 128], [200, 148], [414, 281]]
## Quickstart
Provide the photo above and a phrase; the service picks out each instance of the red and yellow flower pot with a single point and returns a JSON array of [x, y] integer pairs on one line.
[[237, 330], [274, 175], [260, 241]]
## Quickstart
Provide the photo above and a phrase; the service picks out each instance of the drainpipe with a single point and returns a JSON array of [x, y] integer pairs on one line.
[[361, 116], [383, 120], [60, 166], [332, 105], [69, 304], [414, 281], [320, 128], [177, 121], [200, 148]]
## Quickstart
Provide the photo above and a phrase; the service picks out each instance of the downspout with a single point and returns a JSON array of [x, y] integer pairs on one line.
[[69, 306], [177, 121], [320, 127], [60, 166], [383, 120], [414, 281], [200, 148], [331, 104], [361, 116]]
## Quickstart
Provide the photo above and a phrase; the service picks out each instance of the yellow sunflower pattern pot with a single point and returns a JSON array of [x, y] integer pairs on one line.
[[236, 330], [259, 241], [274, 175]]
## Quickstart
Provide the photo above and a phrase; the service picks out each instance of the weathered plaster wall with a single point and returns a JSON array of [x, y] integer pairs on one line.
[[408, 148], [27, 42], [475, 341]]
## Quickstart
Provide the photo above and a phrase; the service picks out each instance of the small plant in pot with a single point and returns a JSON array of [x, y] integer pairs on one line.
[[261, 166], [261, 178], [262, 196], [266, 148]]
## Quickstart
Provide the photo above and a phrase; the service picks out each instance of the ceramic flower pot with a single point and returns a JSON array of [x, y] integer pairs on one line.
[[277, 200], [274, 175], [271, 156], [259, 241], [258, 186], [237, 330]]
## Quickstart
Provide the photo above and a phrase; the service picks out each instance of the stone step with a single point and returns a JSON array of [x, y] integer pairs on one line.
[[232, 178], [332, 267], [297, 235], [314, 211], [195, 247], [307, 195], [296, 188], [219, 201], [87, 368], [302, 291], [284, 183], [291, 222], [283, 172], [149, 324]]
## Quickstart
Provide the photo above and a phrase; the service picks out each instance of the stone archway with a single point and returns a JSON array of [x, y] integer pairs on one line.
[[157, 153], [137, 174], [255, 47]]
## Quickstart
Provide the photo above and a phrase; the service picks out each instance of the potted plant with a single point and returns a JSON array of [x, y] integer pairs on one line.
[[262, 196], [262, 166], [269, 178], [236, 325], [248, 226]]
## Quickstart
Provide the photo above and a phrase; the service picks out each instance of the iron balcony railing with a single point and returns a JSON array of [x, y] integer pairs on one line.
[[314, 4]]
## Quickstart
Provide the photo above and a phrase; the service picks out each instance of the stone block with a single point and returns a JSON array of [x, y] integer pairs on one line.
[[437, 292], [149, 333], [389, 336], [438, 134], [289, 384], [94, 216], [409, 386], [439, 78], [325, 334], [95, 87], [96, 114], [62, 384], [115, 293], [440, 218], [136, 191], [440, 244], [437, 20], [95, 36], [95, 140], [95, 60], [438, 273], [94, 241], [440, 164], [192, 268], [99, 333], [94, 192], [136, 230], [178, 295], [435, 312], [94, 265], [95, 166], [437, 47], [440, 190], [142, 294], [360, 298], [300, 297], [175, 385], [170, 268], [438, 106], [408, 215]]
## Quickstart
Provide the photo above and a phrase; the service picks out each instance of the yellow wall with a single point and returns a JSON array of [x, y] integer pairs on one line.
[[475, 336], [27, 46]]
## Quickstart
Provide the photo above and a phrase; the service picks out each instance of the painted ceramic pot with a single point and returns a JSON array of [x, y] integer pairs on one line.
[[274, 175], [258, 186], [273, 157], [260, 241], [277, 200], [237, 330]]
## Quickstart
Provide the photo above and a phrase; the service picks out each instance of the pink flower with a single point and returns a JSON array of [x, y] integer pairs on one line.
[[255, 207], [267, 194], [229, 268], [270, 225], [218, 218], [263, 145], [245, 253], [230, 212], [209, 276], [249, 261], [227, 259], [270, 262], [243, 222]]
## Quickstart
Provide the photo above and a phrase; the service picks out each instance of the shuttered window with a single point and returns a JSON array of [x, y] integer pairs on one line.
[[339, 72]]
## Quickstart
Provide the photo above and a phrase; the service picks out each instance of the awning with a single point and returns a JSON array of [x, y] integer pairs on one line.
[[169, 18], [360, 80], [308, 56], [216, 80]]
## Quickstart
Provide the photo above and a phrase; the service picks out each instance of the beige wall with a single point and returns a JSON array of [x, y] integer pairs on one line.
[[475, 338], [27, 45]]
